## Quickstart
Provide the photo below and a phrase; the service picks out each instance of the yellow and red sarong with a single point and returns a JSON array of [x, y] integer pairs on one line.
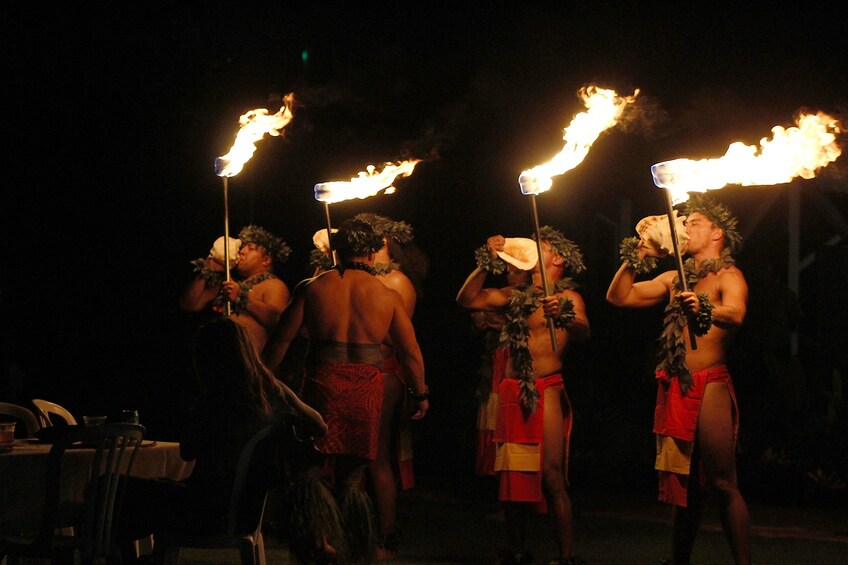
[[519, 442], [487, 417], [675, 423]]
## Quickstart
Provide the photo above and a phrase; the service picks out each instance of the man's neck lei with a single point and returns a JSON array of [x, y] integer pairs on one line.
[[245, 286], [672, 345], [523, 301], [355, 266], [386, 268]]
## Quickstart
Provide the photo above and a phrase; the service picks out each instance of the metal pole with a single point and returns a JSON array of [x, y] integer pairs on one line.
[[330, 234], [684, 284], [228, 306], [545, 286]]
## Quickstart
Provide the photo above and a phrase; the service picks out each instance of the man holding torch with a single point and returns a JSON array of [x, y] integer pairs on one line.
[[257, 298], [534, 414], [696, 417]]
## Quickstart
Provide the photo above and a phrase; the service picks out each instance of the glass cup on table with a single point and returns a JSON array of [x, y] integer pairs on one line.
[[7, 435], [94, 420], [128, 417]]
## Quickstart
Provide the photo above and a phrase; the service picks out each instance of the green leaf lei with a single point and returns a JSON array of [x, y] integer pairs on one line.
[[523, 301], [627, 251], [355, 266], [386, 268], [672, 346], [495, 265]]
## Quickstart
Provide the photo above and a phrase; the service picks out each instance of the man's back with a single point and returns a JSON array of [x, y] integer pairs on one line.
[[353, 307]]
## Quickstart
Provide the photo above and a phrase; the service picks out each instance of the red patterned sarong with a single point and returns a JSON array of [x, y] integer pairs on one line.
[[349, 397], [675, 423], [487, 416], [520, 448]]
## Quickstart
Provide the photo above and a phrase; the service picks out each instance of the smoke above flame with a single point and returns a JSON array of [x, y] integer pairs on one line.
[[791, 152], [253, 126], [604, 109], [367, 183]]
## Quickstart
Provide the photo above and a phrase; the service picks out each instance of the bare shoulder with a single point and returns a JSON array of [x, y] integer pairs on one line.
[[571, 294], [272, 283], [731, 274], [397, 280]]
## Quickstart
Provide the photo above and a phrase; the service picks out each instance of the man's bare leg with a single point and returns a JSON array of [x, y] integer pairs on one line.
[[685, 522], [553, 473], [381, 471], [717, 449], [515, 522]]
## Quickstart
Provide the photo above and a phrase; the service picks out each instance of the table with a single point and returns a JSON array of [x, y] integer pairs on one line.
[[22, 472]]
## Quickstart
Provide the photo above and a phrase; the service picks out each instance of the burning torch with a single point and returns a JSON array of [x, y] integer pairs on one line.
[[604, 108], [367, 183], [252, 127]]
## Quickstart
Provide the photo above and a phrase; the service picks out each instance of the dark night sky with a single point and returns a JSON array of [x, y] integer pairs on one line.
[[115, 116]]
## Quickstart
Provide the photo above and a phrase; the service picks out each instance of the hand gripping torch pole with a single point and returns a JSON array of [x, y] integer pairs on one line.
[[684, 284], [545, 286]]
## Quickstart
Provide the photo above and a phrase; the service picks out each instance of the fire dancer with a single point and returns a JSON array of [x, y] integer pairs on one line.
[[534, 414], [696, 417], [258, 298], [348, 314]]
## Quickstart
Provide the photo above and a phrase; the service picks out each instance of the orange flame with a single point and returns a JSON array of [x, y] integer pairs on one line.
[[793, 152], [604, 110], [367, 183], [253, 127]]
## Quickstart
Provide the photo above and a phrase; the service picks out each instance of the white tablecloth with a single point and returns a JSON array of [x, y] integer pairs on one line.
[[23, 468]]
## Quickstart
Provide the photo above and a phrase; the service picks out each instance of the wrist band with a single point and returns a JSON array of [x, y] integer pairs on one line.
[[566, 313], [240, 304], [210, 277], [627, 251], [704, 319], [419, 396], [484, 259]]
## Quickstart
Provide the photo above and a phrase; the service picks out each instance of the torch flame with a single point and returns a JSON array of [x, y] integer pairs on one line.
[[604, 110], [793, 152], [253, 127], [367, 183]]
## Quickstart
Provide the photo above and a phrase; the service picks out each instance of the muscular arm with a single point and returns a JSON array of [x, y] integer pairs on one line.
[[408, 352], [287, 330], [579, 327], [734, 299], [624, 292], [197, 295], [473, 296], [396, 280]]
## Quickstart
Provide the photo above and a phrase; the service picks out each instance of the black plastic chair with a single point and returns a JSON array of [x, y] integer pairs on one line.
[[254, 478], [114, 448]]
